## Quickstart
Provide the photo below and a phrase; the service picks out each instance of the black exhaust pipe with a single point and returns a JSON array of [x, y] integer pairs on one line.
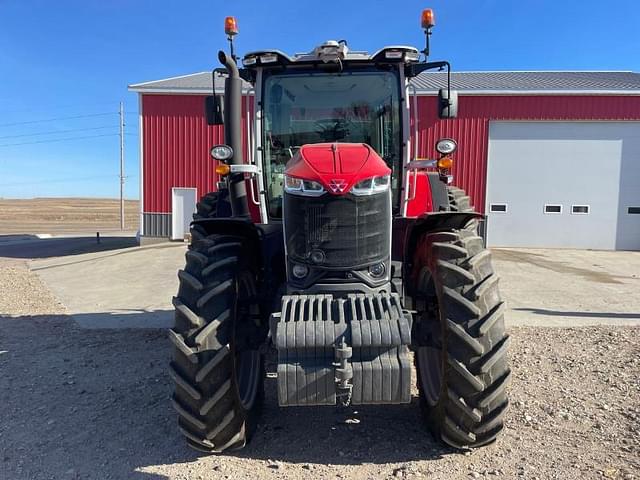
[[233, 134]]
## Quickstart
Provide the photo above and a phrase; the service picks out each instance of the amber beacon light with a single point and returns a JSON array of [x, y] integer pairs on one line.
[[428, 18], [230, 26]]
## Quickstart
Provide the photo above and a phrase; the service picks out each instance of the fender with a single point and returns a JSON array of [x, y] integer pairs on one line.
[[266, 244]]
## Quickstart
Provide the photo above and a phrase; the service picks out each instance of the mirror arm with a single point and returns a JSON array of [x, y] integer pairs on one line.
[[416, 69]]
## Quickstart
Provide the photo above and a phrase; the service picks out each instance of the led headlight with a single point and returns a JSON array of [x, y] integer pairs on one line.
[[377, 270], [300, 271], [222, 153], [299, 186], [371, 186], [446, 146]]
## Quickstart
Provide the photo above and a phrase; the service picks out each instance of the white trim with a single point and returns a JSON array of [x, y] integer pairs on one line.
[[407, 147], [258, 152], [545, 71], [141, 160], [427, 92], [140, 84], [544, 210], [524, 93]]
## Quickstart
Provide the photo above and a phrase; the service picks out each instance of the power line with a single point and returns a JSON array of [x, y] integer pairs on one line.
[[52, 132], [59, 140], [61, 107], [70, 179], [59, 118], [57, 180]]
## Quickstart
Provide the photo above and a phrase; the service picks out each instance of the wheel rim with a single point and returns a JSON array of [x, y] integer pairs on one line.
[[430, 358], [248, 360], [248, 377]]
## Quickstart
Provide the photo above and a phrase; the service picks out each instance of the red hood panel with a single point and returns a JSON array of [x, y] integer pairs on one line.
[[337, 166]]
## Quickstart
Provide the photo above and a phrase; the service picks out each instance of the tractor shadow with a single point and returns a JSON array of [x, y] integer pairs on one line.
[[355, 435], [32, 247]]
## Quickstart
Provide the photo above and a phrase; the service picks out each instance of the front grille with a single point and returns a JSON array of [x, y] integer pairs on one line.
[[349, 230]]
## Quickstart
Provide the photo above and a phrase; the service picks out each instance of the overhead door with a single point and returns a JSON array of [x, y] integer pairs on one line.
[[564, 184]]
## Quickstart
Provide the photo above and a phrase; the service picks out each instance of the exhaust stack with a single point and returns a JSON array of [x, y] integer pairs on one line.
[[233, 134]]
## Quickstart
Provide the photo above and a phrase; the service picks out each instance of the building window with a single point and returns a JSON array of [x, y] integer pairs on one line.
[[552, 208], [633, 210], [580, 209], [498, 208]]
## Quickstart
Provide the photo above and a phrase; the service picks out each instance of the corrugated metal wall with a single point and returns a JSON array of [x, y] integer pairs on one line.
[[471, 128], [176, 139], [176, 144]]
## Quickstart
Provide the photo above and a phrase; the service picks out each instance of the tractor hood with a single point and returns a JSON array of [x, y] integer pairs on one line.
[[336, 166]]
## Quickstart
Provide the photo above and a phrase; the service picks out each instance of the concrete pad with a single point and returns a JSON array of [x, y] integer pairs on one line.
[[127, 288], [569, 288], [133, 287]]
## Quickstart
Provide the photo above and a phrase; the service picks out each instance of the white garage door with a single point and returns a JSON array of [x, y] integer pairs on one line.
[[564, 184]]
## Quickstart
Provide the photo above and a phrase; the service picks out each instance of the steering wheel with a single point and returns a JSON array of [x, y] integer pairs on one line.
[[332, 129]]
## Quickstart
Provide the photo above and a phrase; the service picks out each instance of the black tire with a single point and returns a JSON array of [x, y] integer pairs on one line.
[[217, 366], [460, 338], [211, 205], [459, 201]]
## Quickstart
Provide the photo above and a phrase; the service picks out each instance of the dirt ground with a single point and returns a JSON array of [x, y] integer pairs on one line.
[[65, 215], [94, 404]]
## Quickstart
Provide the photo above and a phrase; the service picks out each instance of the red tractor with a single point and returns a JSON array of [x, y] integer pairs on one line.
[[334, 245]]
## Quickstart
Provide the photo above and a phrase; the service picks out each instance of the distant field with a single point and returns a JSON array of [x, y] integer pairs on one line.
[[65, 215]]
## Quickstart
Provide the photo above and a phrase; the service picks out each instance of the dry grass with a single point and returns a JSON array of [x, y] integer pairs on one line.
[[65, 215]]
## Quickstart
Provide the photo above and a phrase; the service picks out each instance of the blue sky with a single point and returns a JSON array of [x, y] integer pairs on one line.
[[75, 59]]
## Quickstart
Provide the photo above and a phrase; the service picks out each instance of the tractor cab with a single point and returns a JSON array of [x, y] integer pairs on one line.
[[331, 94]]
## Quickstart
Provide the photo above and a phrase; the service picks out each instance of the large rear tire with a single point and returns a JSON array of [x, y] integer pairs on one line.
[[217, 366], [461, 359]]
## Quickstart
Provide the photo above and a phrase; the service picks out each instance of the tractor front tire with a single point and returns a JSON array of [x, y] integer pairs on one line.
[[460, 356], [217, 366], [211, 205], [459, 201]]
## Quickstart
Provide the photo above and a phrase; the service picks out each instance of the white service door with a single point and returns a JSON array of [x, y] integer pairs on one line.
[[183, 205], [563, 184]]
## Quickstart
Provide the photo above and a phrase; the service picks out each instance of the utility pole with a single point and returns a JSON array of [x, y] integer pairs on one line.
[[121, 166]]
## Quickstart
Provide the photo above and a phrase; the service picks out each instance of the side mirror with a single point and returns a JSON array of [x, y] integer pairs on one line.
[[447, 105], [214, 109]]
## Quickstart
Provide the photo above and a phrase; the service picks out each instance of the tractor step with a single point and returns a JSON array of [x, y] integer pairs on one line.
[[348, 350]]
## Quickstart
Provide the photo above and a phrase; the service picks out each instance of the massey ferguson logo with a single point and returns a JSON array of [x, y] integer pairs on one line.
[[337, 185]]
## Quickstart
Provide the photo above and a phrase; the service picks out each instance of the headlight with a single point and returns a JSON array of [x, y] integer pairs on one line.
[[222, 153], [446, 146], [371, 186], [299, 186]]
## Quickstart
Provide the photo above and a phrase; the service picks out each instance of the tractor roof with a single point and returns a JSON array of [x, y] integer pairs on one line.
[[331, 51]]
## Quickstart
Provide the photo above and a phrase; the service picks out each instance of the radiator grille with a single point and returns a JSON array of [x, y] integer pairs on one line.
[[349, 230]]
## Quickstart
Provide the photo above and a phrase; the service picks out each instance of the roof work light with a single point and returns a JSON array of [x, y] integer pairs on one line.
[[230, 26]]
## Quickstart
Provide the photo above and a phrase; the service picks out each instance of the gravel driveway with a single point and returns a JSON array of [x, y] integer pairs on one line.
[[93, 404]]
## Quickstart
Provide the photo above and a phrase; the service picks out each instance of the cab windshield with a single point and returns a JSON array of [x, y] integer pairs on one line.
[[304, 108]]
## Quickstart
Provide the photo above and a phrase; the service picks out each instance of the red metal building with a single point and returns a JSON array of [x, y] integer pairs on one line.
[[175, 140]]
